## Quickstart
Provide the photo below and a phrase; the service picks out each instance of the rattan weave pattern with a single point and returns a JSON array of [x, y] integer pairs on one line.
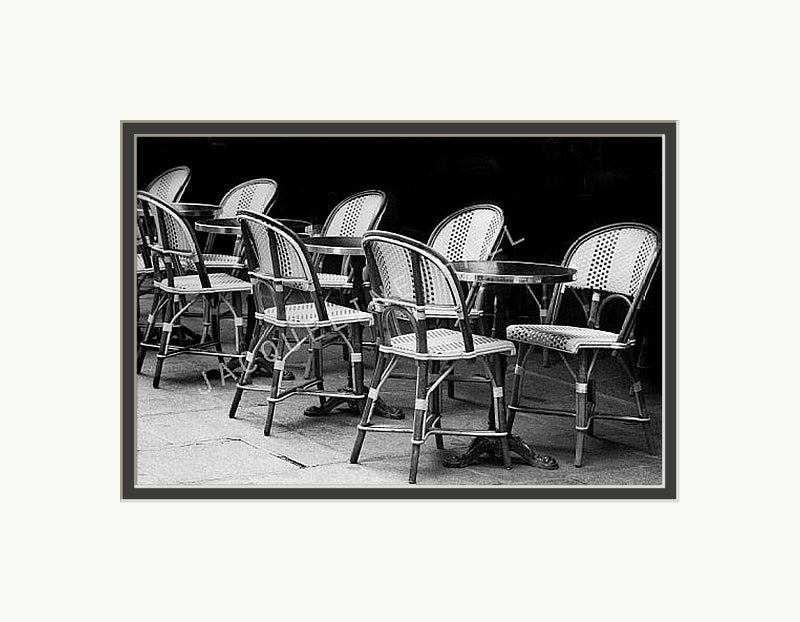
[[169, 184], [305, 315], [469, 235], [220, 281], [614, 260], [396, 274], [446, 344], [331, 280], [565, 338], [292, 264], [353, 217], [253, 196]]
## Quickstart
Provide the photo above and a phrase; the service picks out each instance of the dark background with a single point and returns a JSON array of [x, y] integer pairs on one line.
[[552, 190]]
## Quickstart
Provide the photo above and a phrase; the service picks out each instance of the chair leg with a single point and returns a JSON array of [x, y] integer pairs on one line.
[[166, 335], [591, 404], [581, 388], [357, 358], [451, 389], [216, 335], [151, 322], [248, 364], [372, 395], [238, 321], [277, 377], [315, 362], [516, 383], [436, 404], [500, 408], [627, 362], [420, 408]]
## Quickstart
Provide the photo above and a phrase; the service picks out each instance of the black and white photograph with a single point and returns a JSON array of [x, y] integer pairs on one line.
[[400, 309]]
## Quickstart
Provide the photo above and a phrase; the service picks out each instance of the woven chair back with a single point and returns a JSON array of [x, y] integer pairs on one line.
[[275, 253], [354, 216], [170, 185], [471, 234], [256, 195], [409, 273], [617, 258]]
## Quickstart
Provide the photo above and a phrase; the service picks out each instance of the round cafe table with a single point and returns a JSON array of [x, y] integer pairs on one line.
[[231, 226], [502, 274], [351, 248], [192, 210]]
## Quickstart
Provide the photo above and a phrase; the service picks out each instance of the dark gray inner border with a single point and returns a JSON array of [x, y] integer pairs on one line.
[[129, 130]]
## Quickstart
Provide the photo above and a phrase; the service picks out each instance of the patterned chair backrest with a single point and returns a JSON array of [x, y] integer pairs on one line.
[[620, 260], [410, 277], [410, 274], [617, 258], [354, 216], [170, 185], [176, 243], [275, 253], [471, 234], [256, 195]]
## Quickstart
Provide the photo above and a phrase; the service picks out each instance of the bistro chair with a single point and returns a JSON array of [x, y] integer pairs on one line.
[[279, 266], [256, 195], [353, 217], [415, 282], [168, 186], [174, 246], [470, 234], [614, 263]]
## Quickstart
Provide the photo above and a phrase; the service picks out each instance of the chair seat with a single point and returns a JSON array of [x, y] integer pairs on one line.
[[305, 314], [328, 280], [190, 284], [565, 338], [446, 345], [218, 260], [141, 268]]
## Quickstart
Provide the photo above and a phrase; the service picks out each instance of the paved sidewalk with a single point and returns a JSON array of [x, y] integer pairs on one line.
[[185, 438]]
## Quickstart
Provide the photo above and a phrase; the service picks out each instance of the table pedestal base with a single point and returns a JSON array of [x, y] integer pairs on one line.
[[485, 450], [381, 408]]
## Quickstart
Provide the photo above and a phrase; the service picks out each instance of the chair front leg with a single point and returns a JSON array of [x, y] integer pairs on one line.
[[420, 409], [372, 396], [500, 407], [151, 322], [166, 335], [581, 411], [277, 377], [357, 358], [436, 404], [259, 335]]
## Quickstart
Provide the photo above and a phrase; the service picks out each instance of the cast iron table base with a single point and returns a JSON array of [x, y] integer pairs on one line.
[[483, 450]]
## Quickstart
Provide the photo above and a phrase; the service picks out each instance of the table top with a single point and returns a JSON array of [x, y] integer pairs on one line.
[[334, 245], [515, 272], [219, 225], [232, 226], [195, 209]]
